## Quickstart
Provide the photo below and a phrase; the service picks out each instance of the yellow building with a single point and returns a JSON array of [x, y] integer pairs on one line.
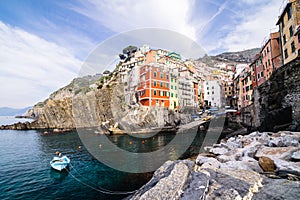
[[288, 22]]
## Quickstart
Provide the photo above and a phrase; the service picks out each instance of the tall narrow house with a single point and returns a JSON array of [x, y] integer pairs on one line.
[[288, 23]]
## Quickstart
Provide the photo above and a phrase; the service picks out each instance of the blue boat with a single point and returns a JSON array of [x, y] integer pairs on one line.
[[60, 163]]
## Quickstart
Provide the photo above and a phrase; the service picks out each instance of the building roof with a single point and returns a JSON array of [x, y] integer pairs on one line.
[[283, 12]]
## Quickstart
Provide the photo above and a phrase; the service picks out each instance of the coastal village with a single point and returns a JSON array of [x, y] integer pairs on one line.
[[163, 78], [154, 125]]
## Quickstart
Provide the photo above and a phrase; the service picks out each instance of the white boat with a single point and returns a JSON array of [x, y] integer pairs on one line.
[[59, 163]]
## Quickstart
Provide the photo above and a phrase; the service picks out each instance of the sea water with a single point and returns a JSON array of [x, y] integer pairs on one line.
[[25, 172]]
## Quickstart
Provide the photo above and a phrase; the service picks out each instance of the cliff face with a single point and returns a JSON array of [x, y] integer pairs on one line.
[[93, 102], [277, 101]]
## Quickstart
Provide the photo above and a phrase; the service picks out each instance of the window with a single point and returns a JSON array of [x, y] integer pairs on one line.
[[207, 93], [154, 74], [161, 75], [167, 85], [212, 99], [286, 54], [172, 94], [154, 92], [167, 77], [284, 39], [261, 74], [171, 87], [291, 31], [176, 95], [268, 49], [175, 88], [213, 92], [213, 87], [293, 47], [258, 76], [171, 79], [290, 12], [154, 83], [207, 88], [161, 93], [161, 84]]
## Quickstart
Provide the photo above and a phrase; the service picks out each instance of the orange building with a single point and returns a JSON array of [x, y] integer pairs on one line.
[[154, 85]]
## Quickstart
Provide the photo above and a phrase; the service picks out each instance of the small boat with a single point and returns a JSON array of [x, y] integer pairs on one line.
[[60, 163]]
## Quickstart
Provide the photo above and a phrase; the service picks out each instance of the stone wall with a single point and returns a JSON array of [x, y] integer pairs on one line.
[[277, 102]]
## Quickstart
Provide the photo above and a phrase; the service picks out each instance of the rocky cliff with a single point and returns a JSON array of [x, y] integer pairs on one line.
[[96, 101]]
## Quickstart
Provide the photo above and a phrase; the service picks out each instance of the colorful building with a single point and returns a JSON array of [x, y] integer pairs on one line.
[[288, 22], [247, 88], [270, 55], [259, 68], [154, 85], [228, 92], [174, 88]]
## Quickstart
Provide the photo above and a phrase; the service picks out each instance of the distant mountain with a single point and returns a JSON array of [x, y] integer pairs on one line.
[[6, 111], [246, 56]]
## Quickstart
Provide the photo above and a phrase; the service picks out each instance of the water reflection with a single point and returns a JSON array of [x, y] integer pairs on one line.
[[58, 176]]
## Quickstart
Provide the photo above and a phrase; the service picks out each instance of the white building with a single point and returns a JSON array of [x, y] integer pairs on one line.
[[213, 95]]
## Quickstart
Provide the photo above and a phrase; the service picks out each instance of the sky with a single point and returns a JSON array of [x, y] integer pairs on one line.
[[44, 44]]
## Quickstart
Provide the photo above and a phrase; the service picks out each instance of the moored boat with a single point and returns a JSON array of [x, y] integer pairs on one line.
[[60, 163]]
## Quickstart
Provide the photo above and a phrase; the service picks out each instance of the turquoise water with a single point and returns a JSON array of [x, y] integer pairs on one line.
[[25, 172]]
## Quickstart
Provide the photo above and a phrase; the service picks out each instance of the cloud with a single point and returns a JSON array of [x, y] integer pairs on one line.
[[31, 67], [122, 15], [253, 25]]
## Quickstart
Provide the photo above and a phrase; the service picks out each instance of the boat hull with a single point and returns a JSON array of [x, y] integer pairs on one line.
[[60, 164]]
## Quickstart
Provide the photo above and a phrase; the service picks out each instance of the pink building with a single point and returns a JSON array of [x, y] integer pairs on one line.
[[270, 54], [259, 69]]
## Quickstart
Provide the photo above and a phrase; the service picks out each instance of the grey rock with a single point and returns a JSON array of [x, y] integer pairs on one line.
[[207, 162], [282, 165], [197, 187], [233, 184], [279, 189], [290, 140], [276, 142], [168, 183], [235, 165], [226, 158], [264, 139], [234, 144], [251, 149], [296, 156], [252, 163], [284, 153], [219, 150]]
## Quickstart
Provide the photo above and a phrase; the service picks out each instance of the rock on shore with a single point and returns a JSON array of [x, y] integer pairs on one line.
[[256, 166]]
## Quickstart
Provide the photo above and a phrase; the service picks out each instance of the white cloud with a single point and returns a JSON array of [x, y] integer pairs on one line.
[[122, 15], [254, 26], [31, 67]]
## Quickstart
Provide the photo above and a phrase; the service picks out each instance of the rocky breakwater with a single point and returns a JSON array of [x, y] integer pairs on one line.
[[256, 166]]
